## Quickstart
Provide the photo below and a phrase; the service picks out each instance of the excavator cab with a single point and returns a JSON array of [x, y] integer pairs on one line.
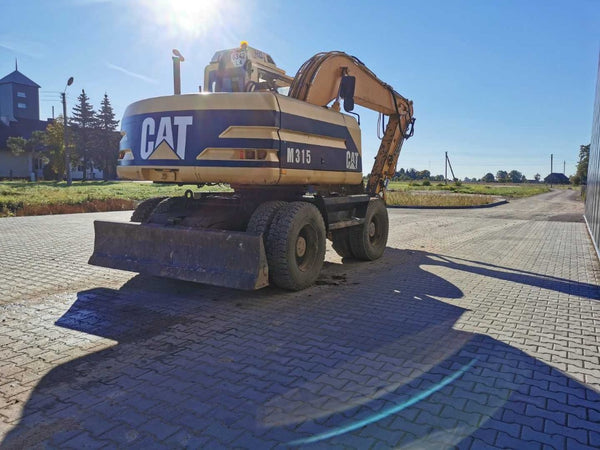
[[228, 80], [244, 69]]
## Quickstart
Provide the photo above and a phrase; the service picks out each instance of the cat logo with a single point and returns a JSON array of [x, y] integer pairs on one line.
[[162, 145], [352, 160]]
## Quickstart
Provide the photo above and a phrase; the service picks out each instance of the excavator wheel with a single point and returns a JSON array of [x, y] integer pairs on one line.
[[296, 246], [368, 241], [262, 217], [341, 242], [170, 204], [144, 209]]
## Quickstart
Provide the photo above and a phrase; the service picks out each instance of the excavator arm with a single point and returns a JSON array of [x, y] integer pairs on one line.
[[321, 80]]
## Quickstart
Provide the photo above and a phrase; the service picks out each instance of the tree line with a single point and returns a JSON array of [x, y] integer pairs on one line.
[[92, 140], [580, 176], [413, 175], [514, 176], [502, 176]]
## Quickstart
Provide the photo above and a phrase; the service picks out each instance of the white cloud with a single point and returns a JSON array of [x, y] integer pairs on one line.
[[132, 74], [26, 47]]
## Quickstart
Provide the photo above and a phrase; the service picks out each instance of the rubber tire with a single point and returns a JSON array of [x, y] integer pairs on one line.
[[263, 216], [370, 248], [144, 209], [340, 241], [285, 270], [170, 204]]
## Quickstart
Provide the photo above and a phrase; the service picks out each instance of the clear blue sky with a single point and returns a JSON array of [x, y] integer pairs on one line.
[[498, 84]]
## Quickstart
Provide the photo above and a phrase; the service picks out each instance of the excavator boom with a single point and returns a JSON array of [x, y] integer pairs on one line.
[[319, 81]]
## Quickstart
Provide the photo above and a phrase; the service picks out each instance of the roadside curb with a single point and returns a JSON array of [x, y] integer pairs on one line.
[[489, 205]]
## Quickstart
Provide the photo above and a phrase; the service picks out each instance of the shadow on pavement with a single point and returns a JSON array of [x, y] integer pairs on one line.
[[367, 357], [528, 278]]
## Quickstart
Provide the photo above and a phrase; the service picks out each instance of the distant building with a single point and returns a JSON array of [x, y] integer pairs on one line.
[[556, 178], [19, 116], [592, 199]]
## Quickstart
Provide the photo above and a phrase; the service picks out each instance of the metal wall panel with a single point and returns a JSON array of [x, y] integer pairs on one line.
[[592, 202]]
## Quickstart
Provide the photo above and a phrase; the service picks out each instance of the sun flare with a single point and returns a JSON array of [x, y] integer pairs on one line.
[[191, 18]]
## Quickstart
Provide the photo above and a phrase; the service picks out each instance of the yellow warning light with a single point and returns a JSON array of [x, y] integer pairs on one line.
[[243, 45]]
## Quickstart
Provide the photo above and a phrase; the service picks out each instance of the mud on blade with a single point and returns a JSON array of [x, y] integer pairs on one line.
[[217, 257]]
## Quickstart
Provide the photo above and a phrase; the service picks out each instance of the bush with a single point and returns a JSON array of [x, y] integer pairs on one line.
[[9, 207], [457, 183], [426, 183], [48, 173]]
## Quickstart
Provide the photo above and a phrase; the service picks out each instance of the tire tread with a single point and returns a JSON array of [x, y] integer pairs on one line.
[[359, 239], [143, 211], [263, 216], [277, 245]]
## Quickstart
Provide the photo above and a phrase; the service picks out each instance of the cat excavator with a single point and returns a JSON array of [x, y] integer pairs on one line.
[[292, 159]]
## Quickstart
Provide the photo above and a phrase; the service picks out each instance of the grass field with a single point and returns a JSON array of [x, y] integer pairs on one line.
[[465, 194], [504, 190], [20, 198], [25, 199], [437, 199]]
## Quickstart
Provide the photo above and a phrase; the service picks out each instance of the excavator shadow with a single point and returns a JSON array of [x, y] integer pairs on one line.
[[376, 358]]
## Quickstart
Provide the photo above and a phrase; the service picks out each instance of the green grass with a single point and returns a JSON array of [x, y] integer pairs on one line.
[[437, 199], [47, 197], [23, 198], [504, 190]]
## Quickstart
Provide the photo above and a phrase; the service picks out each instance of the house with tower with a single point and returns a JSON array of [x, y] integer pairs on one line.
[[19, 116]]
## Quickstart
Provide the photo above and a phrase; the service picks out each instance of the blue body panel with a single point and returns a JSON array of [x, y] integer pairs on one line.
[[200, 129]]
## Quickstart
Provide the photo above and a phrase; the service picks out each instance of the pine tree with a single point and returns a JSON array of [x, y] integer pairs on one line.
[[107, 138], [582, 165], [84, 121], [106, 116]]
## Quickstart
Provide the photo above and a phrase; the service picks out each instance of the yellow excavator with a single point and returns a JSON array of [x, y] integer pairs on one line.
[[291, 157]]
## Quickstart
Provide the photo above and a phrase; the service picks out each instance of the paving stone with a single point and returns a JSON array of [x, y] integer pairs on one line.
[[555, 440], [504, 440], [84, 440], [144, 362]]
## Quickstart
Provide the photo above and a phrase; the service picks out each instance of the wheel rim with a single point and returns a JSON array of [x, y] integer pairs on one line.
[[306, 247], [374, 230], [300, 247]]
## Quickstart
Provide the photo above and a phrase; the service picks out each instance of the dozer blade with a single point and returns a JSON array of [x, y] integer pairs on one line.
[[221, 258]]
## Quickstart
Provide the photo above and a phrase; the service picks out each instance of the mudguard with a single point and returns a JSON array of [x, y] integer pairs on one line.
[[218, 257]]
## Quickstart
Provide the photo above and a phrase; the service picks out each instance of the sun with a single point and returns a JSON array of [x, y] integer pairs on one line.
[[191, 18]]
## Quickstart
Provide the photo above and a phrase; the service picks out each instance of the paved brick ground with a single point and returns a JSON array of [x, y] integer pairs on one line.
[[478, 328]]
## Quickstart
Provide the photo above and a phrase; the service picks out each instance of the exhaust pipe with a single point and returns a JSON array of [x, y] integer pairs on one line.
[[177, 60]]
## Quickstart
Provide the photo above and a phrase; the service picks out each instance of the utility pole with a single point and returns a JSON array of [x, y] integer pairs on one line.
[[446, 169], [67, 164], [551, 162], [67, 159], [564, 167], [448, 163]]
